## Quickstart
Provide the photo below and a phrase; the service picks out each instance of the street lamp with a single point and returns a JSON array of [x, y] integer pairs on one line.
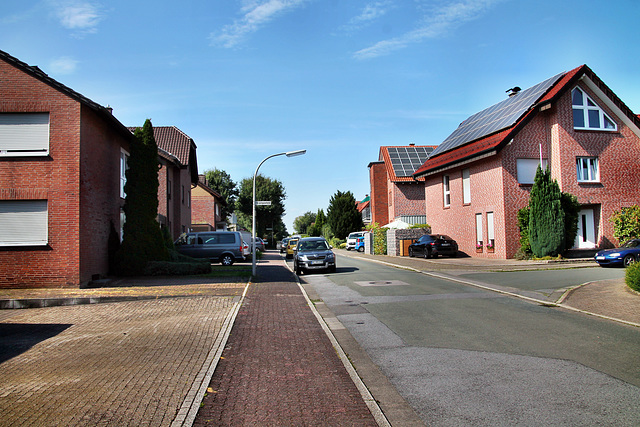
[[253, 228]]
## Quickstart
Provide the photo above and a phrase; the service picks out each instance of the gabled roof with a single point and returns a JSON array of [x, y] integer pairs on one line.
[[513, 118], [202, 183], [402, 161], [178, 145], [37, 73]]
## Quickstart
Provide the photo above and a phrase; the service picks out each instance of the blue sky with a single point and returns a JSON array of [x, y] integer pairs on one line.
[[339, 78]]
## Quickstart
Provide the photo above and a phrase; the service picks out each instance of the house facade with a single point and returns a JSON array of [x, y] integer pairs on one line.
[[177, 176], [62, 162], [205, 208], [477, 179], [395, 193]]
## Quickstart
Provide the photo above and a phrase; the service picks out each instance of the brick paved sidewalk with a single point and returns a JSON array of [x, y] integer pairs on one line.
[[278, 366]]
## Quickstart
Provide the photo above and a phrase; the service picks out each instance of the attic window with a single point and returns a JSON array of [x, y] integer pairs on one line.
[[587, 114]]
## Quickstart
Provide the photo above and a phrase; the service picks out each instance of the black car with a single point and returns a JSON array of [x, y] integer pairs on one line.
[[313, 253], [432, 245]]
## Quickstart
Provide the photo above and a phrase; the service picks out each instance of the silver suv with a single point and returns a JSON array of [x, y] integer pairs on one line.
[[225, 247], [313, 253]]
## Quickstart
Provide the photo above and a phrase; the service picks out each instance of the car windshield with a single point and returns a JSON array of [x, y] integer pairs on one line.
[[313, 245], [631, 244]]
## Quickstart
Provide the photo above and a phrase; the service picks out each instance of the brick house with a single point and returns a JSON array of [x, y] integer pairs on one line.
[[177, 176], [205, 208], [61, 180], [481, 175], [395, 193]]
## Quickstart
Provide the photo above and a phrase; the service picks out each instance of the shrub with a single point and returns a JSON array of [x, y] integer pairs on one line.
[[626, 223], [379, 238], [424, 226], [632, 276]]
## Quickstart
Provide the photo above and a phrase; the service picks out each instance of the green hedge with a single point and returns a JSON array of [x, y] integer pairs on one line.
[[632, 276], [167, 268]]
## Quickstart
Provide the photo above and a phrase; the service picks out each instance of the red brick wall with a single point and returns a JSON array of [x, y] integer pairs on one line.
[[379, 196], [203, 207], [80, 182], [99, 192], [408, 199], [54, 178]]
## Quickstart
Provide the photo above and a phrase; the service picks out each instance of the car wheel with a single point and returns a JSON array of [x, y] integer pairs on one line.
[[411, 254], [427, 253], [297, 269], [332, 269], [361, 249], [226, 260], [628, 260]]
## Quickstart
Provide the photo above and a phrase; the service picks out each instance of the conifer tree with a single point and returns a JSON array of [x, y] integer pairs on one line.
[[142, 240], [342, 215], [546, 217]]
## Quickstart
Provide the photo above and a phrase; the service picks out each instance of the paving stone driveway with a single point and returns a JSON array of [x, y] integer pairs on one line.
[[126, 363]]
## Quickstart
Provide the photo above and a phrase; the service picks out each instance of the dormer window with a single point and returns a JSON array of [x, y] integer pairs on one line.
[[587, 115]]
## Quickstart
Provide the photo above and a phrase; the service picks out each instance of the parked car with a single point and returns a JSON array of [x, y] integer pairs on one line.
[[359, 244], [225, 247], [246, 249], [432, 245], [352, 239], [259, 244], [313, 253], [291, 247], [283, 245], [624, 255]]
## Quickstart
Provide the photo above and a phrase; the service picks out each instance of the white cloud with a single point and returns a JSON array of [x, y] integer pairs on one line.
[[78, 16], [63, 65], [435, 24], [255, 14], [371, 12]]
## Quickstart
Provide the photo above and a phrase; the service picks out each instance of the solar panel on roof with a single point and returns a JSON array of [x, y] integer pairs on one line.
[[406, 160], [495, 118]]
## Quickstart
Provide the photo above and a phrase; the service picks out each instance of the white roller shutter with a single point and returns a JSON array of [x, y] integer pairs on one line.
[[24, 134], [23, 223]]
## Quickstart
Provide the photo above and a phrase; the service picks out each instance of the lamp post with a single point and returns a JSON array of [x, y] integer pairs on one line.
[[253, 227]]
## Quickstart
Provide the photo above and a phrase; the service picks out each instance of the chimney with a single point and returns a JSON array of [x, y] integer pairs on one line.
[[513, 91]]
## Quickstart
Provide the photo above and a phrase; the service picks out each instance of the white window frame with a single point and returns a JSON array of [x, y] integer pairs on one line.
[[479, 231], [466, 186], [446, 190], [24, 223], [588, 169], [124, 166], [526, 169], [588, 108], [491, 237], [24, 134]]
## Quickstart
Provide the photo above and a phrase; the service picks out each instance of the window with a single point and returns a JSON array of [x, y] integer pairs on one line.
[[123, 218], [169, 190], [587, 169], [124, 165], [479, 231], [587, 114], [23, 223], [446, 191], [466, 186], [526, 169], [24, 134], [490, 231]]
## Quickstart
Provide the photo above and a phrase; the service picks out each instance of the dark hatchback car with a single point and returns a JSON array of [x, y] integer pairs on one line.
[[313, 253], [432, 245], [625, 255]]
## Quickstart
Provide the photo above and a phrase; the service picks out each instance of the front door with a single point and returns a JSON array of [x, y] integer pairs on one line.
[[586, 237]]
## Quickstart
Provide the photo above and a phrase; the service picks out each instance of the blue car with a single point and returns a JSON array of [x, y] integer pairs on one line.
[[625, 255], [359, 244]]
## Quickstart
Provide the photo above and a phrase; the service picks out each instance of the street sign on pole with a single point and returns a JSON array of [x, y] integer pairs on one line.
[[263, 202]]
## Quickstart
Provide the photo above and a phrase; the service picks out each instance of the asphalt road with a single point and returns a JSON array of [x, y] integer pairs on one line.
[[461, 355]]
